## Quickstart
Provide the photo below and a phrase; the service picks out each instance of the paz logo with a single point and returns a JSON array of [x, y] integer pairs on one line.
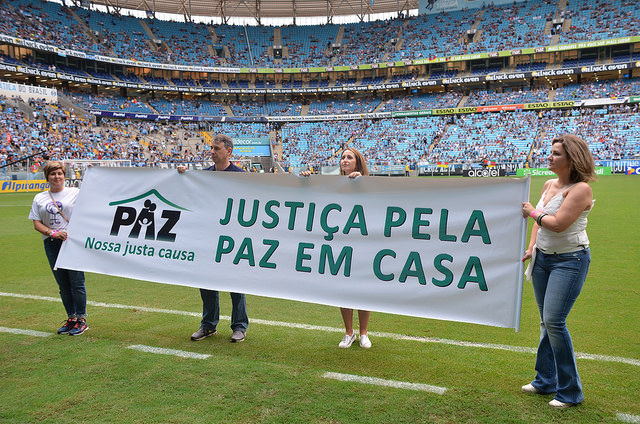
[[633, 171], [148, 218]]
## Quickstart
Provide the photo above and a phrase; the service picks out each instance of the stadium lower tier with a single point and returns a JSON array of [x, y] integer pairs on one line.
[[517, 137]]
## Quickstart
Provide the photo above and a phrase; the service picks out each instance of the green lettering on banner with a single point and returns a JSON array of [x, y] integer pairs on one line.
[[273, 245], [302, 256], [227, 213], [310, 214], [473, 263], [390, 222], [413, 268], [419, 222], [225, 245], [292, 213], [446, 272], [254, 213], [376, 264], [268, 209], [323, 220], [444, 217], [634, 99], [356, 212], [482, 231], [245, 251], [326, 257]]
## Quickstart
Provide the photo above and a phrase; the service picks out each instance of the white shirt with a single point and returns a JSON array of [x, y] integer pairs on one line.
[[43, 208], [570, 240]]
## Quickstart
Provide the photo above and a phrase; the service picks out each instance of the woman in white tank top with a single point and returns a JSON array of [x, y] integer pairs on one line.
[[560, 258]]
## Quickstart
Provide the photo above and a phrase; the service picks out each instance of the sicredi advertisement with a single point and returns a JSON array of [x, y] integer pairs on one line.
[[522, 172]]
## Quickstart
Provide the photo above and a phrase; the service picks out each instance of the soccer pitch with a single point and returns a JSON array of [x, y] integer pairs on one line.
[[137, 364]]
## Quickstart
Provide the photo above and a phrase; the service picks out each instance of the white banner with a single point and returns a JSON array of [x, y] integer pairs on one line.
[[27, 92], [436, 248]]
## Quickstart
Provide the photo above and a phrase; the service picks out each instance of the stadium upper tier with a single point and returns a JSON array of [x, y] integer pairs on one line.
[[489, 29]]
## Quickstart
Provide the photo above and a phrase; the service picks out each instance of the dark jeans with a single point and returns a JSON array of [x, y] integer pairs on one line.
[[557, 282], [211, 310], [71, 283]]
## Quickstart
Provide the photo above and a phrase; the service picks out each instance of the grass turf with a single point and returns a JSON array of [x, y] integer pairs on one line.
[[275, 376]]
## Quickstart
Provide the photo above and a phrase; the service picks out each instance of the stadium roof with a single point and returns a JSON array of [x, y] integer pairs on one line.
[[259, 9]]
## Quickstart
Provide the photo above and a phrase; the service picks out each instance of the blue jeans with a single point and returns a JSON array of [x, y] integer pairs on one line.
[[557, 282], [211, 310], [72, 290]]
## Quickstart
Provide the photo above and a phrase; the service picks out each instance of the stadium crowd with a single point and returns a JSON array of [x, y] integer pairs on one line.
[[67, 133], [612, 133], [493, 28]]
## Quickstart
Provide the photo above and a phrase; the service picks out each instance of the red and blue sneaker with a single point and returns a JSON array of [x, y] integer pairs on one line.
[[80, 326], [68, 325]]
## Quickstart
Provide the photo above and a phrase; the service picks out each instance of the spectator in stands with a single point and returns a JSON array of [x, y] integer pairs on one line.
[[50, 212], [560, 258]]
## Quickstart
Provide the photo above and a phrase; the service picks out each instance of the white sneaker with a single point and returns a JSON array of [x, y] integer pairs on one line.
[[364, 341], [347, 341], [530, 388], [557, 404]]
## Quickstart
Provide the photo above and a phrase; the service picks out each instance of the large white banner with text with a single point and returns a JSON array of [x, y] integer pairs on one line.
[[443, 248]]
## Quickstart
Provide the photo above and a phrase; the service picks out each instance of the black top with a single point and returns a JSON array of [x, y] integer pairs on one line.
[[230, 168]]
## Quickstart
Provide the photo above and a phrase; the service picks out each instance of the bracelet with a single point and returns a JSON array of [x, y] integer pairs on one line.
[[53, 233], [539, 219], [533, 214]]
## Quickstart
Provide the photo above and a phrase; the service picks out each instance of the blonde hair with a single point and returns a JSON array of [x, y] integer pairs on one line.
[[581, 163], [361, 163], [53, 165]]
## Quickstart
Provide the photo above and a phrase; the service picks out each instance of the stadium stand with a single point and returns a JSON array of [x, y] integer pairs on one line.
[[600, 19], [508, 96], [493, 28], [612, 130]]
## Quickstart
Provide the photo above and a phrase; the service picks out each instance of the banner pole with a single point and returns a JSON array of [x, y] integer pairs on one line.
[[523, 241]]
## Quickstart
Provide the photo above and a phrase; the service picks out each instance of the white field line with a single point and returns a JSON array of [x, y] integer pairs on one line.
[[394, 336], [386, 383], [171, 352], [25, 332], [628, 418]]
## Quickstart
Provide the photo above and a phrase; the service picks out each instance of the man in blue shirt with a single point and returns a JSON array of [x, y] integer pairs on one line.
[[221, 150]]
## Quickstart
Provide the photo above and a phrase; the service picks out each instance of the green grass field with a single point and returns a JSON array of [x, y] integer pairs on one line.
[[276, 375]]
